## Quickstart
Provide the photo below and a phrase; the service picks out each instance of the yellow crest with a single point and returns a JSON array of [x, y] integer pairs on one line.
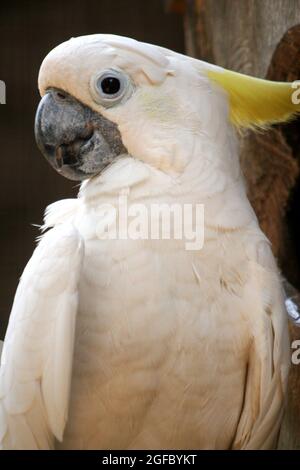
[[255, 102]]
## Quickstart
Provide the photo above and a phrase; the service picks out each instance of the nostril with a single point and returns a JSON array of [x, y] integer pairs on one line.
[[60, 95]]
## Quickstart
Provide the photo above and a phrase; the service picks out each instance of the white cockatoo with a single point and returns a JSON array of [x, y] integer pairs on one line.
[[117, 342]]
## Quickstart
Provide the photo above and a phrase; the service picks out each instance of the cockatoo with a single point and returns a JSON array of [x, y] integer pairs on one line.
[[123, 343]]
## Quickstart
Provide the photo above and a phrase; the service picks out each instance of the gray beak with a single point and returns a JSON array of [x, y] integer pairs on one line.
[[76, 141]]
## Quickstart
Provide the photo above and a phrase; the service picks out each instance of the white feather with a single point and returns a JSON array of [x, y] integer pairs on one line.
[[36, 363]]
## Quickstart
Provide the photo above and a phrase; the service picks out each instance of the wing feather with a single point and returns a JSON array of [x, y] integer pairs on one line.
[[36, 362], [269, 357]]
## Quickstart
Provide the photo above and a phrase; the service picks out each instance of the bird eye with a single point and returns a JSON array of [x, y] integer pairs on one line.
[[110, 87]]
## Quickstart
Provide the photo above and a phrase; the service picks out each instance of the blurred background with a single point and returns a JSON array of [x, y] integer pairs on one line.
[[29, 29]]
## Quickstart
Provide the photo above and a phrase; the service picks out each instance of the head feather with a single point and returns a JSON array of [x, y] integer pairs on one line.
[[254, 102]]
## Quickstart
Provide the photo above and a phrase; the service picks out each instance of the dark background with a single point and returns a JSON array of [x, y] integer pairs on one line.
[[28, 31]]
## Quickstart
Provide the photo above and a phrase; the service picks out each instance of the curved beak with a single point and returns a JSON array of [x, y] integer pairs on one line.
[[76, 141]]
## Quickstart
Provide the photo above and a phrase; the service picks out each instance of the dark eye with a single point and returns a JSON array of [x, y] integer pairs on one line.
[[110, 85]]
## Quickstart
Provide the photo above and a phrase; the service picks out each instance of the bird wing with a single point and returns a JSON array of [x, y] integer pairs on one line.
[[268, 359], [36, 362]]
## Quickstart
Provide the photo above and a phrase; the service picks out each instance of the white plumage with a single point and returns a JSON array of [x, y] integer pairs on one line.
[[37, 356], [173, 348]]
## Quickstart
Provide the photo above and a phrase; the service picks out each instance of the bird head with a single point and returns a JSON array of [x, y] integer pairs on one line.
[[105, 97]]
